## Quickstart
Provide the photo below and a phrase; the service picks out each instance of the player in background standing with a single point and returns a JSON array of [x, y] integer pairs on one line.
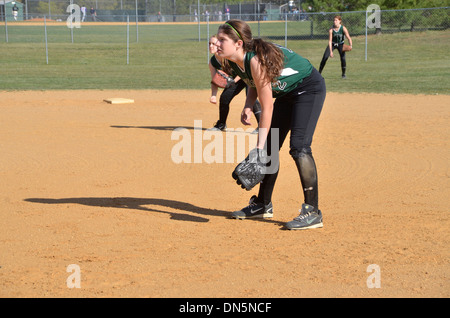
[[83, 11], [15, 11], [337, 35]]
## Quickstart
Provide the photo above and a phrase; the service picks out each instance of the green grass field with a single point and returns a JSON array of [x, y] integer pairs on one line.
[[169, 56]]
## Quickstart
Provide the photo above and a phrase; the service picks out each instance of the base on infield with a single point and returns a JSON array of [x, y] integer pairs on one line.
[[119, 100]]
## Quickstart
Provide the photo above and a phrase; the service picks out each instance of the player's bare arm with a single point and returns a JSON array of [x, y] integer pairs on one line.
[[264, 93]]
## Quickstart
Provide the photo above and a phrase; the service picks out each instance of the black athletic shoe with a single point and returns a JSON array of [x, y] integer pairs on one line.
[[254, 210], [218, 126], [308, 219]]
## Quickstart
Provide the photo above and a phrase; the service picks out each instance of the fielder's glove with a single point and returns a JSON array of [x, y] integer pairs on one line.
[[252, 170], [222, 79]]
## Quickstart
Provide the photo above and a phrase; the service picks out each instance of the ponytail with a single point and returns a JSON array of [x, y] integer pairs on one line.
[[270, 57]]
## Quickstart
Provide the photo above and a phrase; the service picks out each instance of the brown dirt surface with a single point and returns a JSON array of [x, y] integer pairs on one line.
[[88, 183]]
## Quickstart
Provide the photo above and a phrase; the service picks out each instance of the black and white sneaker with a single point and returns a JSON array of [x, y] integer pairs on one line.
[[218, 126], [254, 210], [308, 219]]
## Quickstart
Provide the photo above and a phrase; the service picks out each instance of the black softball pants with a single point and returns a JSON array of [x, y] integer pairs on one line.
[[297, 112], [227, 96], [326, 55]]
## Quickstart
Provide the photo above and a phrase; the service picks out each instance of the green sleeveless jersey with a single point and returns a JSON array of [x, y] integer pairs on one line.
[[296, 68], [338, 36], [218, 66], [215, 63]]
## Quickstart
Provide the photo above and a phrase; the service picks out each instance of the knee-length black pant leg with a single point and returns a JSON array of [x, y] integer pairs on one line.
[[326, 55], [299, 113], [343, 60], [227, 96]]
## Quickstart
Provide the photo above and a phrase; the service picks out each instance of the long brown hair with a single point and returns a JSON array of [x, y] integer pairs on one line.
[[270, 56]]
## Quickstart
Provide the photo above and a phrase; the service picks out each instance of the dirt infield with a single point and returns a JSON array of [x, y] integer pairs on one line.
[[93, 184]]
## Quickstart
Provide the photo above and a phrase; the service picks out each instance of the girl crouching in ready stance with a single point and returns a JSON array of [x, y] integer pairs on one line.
[[299, 90]]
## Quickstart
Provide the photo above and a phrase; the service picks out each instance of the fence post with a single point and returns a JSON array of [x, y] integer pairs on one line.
[[259, 27], [207, 34], [198, 19], [285, 29], [6, 24], [366, 40], [137, 26], [70, 16], [128, 39], [46, 44]]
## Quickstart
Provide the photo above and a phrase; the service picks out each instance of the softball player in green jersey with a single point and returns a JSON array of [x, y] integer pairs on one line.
[[299, 90], [337, 35], [229, 92]]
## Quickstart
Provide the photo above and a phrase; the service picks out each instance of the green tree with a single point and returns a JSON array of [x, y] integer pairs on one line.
[[361, 5], [411, 4], [52, 8]]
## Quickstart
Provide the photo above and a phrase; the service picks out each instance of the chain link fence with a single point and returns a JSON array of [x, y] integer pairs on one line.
[[310, 24], [168, 11], [277, 23]]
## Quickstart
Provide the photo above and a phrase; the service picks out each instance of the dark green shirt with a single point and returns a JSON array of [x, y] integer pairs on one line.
[[215, 63], [296, 68], [338, 36]]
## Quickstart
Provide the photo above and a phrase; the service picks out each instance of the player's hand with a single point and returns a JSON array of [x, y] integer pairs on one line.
[[331, 55], [246, 116]]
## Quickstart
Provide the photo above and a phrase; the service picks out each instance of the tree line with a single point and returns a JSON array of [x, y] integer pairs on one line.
[[182, 7]]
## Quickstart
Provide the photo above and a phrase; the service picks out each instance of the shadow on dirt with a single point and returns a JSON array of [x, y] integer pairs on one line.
[[141, 204]]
